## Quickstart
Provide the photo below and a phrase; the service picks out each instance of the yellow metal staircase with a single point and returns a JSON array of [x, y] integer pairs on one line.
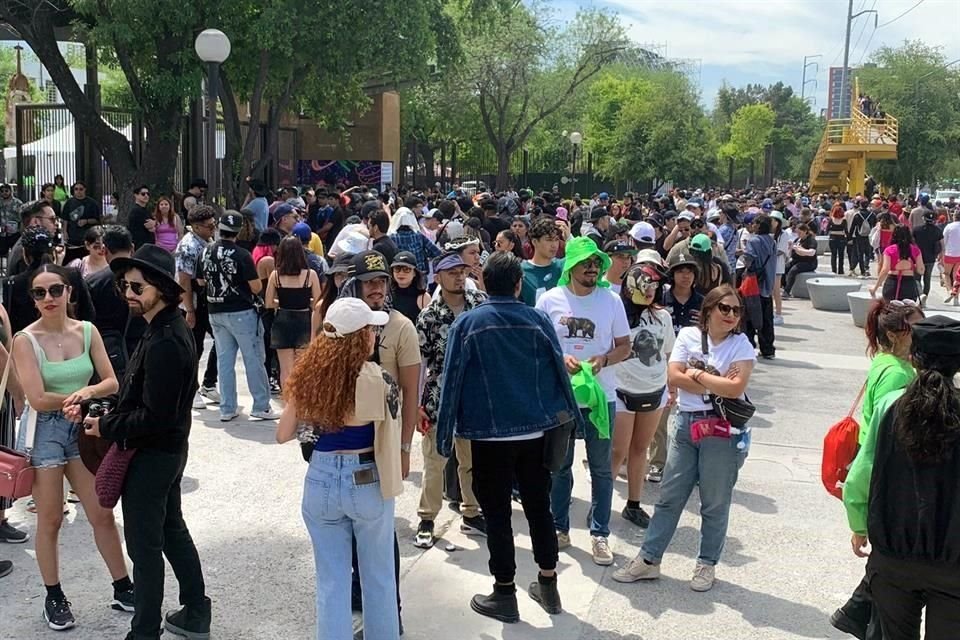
[[847, 144]]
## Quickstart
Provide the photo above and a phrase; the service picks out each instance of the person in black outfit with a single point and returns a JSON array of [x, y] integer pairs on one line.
[[803, 260], [378, 223], [152, 415], [120, 331], [929, 238], [141, 221], [79, 212], [906, 481]]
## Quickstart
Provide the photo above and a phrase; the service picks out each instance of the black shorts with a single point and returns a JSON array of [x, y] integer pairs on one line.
[[290, 329]]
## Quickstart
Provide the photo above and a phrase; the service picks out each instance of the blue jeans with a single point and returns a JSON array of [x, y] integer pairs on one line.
[[336, 509], [718, 462], [233, 331], [56, 440], [601, 480]]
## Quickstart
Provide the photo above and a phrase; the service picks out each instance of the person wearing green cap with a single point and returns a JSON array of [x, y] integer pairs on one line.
[[592, 326], [711, 270]]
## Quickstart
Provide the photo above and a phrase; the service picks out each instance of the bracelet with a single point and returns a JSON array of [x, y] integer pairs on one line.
[[606, 359]]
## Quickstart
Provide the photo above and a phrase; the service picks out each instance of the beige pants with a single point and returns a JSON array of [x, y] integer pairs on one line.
[[431, 491]]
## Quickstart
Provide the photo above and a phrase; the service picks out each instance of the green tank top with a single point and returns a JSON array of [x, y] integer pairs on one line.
[[70, 375]]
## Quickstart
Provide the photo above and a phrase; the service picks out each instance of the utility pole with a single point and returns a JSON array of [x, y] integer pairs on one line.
[[844, 79], [803, 84]]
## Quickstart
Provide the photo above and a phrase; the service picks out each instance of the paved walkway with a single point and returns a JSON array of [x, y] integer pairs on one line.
[[787, 564]]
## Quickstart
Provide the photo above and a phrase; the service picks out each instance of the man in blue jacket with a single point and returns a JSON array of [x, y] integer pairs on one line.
[[505, 388]]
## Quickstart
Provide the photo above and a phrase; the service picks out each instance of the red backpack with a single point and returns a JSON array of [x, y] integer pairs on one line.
[[840, 447]]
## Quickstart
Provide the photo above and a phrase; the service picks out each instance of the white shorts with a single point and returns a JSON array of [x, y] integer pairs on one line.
[[622, 408]]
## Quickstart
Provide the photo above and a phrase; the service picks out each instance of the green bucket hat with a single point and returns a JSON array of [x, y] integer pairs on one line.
[[578, 250]]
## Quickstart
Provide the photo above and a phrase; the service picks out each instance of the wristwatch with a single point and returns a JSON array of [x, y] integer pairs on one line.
[[405, 447]]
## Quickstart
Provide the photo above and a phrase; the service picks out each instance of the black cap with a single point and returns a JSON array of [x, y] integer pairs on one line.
[[342, 264], [231, 222], [619, 246], [929, 216], [370, 264], [404, 258], [937, 334], [598, 212], [198, 182], [152, 258]]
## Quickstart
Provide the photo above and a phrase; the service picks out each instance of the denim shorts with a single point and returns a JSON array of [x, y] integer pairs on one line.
[[56, 441]]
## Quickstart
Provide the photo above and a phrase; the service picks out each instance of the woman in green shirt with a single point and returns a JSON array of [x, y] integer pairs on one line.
[[888, 344]]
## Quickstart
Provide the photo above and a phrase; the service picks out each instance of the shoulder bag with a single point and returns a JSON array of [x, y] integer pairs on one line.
[[736, 411], [16, 472]]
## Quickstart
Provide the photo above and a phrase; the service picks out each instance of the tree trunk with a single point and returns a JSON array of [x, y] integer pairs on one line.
[[427, 151], [503, 167]]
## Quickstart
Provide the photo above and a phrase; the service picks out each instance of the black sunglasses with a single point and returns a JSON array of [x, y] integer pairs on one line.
[[55, 291], [726, 309], [136, 287]]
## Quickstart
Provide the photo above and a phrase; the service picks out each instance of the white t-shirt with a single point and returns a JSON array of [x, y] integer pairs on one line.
[[587, 326], [743, 237], [784, 245], [951, 240], [645, 369], [688, 349]]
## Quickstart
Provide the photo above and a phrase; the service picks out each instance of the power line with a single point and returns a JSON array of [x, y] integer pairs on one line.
[[864, 26], [902, 14], [867, 47]]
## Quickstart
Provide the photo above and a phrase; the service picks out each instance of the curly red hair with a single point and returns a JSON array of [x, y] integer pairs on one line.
[[323, 383]]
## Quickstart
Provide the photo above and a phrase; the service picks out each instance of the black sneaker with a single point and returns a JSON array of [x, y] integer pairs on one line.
[[190, 622], [5, 568], [499, 606], [546, 595], [842, 621], [638, 517], [424, 538], [11, 535], [655, 474], [275, 389], [123, 601], [56, 611], [475, 526]]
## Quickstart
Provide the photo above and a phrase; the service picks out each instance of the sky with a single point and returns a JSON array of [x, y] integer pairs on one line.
[[765, 41]]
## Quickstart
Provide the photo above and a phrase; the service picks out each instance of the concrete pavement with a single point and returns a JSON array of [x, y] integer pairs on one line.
[[787, 564]]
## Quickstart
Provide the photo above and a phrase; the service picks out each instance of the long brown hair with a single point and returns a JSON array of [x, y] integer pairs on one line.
[[171, 216], [326, 379], [713, 299]]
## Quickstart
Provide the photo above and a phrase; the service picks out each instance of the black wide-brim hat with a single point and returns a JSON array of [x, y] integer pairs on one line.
[[152, 258]]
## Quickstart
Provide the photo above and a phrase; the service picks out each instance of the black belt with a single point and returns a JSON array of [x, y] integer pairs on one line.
[[367, 456], [700, 414]]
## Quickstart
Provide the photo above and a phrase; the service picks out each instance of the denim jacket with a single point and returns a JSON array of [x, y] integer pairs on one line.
[[504, 375]]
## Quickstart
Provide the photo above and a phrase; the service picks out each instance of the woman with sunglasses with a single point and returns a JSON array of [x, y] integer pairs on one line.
[[56, 357], [96, 258], [408, 291], [887, 328], [703, 449], [508, 241]]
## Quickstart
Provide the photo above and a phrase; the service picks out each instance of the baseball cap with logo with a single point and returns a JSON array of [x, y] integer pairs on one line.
[[349, 315], [370, 264], [231, 222]]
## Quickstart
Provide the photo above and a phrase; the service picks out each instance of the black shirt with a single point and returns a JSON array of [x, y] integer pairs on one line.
[[928, 237], [23, 311], [336, 224], [227, 271], [119, 330], [810, 242], [387, 247], [138, 217], [75, 210], [682, 312], [156, 393]]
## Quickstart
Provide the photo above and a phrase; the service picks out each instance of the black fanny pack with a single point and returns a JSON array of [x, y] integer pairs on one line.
[[736, 411], [641, 402]]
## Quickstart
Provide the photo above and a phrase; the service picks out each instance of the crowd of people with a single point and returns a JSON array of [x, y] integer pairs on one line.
[[363, 318]]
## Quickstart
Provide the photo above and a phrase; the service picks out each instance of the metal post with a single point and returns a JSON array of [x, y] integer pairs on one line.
[[573, 177], [213, 182], [844, 81], [804, 82]]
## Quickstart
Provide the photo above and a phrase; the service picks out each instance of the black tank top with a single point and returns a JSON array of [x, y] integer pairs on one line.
[[296, 299], [406, 301]]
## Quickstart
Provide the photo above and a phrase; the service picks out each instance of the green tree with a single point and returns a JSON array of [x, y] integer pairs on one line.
[[912, 83], [750, 131]]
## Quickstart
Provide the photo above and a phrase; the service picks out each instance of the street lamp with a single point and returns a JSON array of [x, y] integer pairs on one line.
[[575, 140], [213, 48]]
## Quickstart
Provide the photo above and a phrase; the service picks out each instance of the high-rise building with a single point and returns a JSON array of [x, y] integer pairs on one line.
[[834, 92]]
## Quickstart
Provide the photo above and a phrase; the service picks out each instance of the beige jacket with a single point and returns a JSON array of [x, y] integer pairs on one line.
[[378, 401]]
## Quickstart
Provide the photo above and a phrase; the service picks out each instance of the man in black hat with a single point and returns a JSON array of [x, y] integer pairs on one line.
[[152, 415], [596, 229], [929, 239], [194, 196], [231, 282]]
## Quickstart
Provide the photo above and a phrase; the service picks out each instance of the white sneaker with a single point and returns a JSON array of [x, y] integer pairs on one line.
[[778, 320], [637, 569], [563, 540], [199, 402], [269, 414], [227, 417], [211, 394], [601, 551], [703, 577], [923, 300]]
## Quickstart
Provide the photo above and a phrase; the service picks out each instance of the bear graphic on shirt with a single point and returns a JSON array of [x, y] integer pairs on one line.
[[584, 326]]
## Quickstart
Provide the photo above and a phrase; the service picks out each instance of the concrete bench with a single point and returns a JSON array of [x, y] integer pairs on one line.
[[800, 284], [830, 294], [860, 303], [823, 245]]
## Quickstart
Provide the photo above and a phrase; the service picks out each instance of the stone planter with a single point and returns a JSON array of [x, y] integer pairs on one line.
[[800, 284], [830, 294], [860, 303], [823, 245]]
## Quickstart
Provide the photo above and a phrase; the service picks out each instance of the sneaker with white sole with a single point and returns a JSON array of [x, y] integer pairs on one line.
[[211, 394], [636, 570], [269, 414], [563, 540], [227, 417], [778, 321], [199, 402], [703, 577], [424, 538], [601, 551]]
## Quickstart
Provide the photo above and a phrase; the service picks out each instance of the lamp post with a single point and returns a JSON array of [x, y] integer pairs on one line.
[[213, 48], [575, 140]]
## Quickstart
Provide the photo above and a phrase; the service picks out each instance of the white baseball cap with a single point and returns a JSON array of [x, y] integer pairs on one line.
[[643, 232], [349, 315]]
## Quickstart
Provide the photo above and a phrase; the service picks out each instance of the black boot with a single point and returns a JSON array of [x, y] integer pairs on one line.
[[854, 616], [500, 605], [192, 622], [544, 592]]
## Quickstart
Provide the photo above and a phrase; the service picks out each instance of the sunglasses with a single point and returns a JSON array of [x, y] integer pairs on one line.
[[136, 287], [727, 310], [55, 291], [402, 269], [144, 193], [592, 262]]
